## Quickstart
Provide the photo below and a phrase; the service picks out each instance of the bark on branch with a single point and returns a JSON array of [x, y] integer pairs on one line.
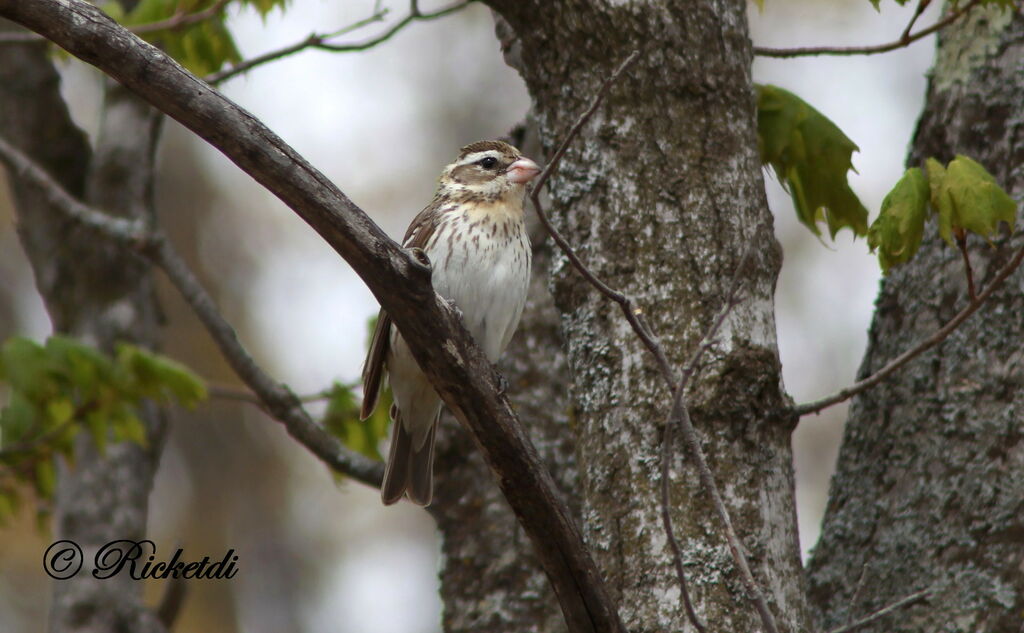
[[458, 370]]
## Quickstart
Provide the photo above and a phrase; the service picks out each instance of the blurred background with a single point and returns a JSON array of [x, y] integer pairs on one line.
[[381, 124]]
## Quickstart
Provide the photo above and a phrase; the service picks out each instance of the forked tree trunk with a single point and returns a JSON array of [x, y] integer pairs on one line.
[[930, 485]]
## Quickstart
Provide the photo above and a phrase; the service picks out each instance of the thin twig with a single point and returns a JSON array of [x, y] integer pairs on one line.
[[633, 314], [961, 243], [176, 22], [940, 335], [921, 6], [905, 40], [884, 611], [321, 41], [680, 414], [241, 394], [277, 398]]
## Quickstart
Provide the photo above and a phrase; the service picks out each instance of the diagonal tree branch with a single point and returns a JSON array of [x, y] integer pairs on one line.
[[937, 337], [276, 398], [457, 368]]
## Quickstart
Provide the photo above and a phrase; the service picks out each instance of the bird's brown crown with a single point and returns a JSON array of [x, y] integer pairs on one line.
[[483, 146]]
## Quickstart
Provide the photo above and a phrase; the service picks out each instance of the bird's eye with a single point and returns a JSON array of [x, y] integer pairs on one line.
[[488, 162]]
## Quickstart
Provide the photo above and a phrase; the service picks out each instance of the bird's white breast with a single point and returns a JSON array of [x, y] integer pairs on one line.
[[483, 267]]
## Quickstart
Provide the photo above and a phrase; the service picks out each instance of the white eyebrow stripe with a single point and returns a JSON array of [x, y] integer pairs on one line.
[[475, 156]]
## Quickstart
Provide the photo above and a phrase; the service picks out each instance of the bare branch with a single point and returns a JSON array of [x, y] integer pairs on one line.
[[179, 20], [459, 371], [940, 335], [884, 611], [679, 414], [276, 398], [921, 6], [906, 39], [322, 41]]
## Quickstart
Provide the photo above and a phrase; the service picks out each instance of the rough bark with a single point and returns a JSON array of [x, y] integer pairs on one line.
[[928, 488], [663, 193], [491, 579], [96, 293]]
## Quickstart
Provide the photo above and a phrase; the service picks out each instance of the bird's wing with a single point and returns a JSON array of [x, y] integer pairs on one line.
[[373, 368], [420, 230]]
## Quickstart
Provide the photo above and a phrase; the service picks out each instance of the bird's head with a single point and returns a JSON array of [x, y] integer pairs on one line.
[[488, 170]]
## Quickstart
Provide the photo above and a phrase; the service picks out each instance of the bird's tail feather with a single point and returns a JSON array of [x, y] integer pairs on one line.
[[408, 471]]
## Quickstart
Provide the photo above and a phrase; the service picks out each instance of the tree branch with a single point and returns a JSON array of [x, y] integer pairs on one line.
[[276, 398], [884, 611], [322, 42], [940, 335], [906, 39], [457, 368], [680, 413]]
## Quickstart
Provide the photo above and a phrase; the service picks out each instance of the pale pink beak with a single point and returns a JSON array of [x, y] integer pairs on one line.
[[522, 171]]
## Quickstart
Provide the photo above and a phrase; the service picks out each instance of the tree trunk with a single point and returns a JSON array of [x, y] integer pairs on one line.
[[93, 291], [928, 488], [662, 193]]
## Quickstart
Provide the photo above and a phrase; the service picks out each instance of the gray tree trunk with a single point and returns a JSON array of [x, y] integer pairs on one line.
[[662, 192], [930, 484], [95, 292]]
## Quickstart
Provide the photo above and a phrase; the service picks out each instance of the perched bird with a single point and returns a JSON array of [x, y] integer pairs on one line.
[[474, 235]]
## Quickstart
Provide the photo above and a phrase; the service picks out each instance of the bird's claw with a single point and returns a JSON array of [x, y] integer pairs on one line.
[[503, 385]]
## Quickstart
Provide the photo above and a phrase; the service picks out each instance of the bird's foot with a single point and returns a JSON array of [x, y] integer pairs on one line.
[[503, 384]]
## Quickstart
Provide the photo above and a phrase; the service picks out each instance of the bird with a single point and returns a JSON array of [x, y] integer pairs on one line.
[[475, 238]]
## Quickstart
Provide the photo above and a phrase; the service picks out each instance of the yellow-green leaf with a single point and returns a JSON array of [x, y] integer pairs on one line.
[[896, 233], [967, 197], [811, 157]]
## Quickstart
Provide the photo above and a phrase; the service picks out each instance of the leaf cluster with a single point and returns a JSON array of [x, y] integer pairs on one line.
[[342, 421], [810, 155], [64, 386], [204, 46], [963, 197]]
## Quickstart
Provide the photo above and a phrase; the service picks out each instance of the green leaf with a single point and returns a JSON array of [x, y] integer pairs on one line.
[[967, 197], [158, 377], [18, 419], [896, 233], [83, 366], [59, 411], [27, 368], [8, 504], [202, 47], [342, 421], [810, 156], [46, 478], [96, 422], [125, 426]]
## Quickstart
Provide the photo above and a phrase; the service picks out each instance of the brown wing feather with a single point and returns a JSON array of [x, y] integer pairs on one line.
[[373, 368], [418, 234]]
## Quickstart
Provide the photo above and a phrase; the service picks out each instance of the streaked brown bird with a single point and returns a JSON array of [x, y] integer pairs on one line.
[[474, 235]]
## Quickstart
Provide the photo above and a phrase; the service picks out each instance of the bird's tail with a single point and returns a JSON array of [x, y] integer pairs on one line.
[[408, 471]]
